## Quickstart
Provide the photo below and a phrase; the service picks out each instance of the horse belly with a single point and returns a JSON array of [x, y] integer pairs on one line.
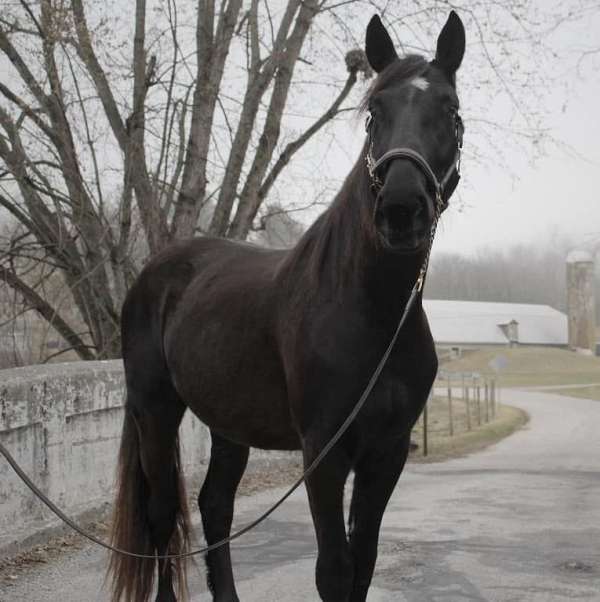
[[233, 382]]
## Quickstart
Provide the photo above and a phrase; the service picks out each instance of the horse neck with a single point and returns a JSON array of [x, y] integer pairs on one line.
[[339, 257], [389, 281], [385, 278]]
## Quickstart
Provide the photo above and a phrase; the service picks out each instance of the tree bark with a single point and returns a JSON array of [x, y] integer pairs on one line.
[[258, 82], [212, 51]]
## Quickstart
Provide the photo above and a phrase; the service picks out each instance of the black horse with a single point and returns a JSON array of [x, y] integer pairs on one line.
[[271, 349]]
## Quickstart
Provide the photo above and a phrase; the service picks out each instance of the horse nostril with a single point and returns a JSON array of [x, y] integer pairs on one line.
[[398, 215], [408, 215]]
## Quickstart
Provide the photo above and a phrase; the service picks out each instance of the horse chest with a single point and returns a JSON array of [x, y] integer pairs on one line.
[[397, 401]]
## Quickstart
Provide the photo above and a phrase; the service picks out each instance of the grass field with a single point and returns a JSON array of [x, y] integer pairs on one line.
[[535, 366]]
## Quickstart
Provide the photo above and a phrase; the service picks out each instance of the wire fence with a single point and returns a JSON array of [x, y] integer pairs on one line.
[[459, 402]]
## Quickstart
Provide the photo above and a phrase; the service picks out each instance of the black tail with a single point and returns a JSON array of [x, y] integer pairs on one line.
[[132, 578]]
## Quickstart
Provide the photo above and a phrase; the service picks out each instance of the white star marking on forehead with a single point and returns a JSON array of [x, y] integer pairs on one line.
[[420, 82]]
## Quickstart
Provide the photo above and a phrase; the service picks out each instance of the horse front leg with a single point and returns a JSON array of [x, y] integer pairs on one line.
[[325, 486], [376, 475]]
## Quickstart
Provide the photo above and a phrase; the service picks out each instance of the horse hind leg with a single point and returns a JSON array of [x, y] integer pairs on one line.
[[216, 501], [157, 417]]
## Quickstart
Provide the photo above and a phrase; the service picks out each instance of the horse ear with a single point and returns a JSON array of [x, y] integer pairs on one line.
[[379, 47], [451, 45]]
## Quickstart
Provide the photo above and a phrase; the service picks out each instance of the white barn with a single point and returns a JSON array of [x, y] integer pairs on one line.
[[460, 325]]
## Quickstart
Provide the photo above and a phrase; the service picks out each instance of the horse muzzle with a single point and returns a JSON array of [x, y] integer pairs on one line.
[[403, 218]]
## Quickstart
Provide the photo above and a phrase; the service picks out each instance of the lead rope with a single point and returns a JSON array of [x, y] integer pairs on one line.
[[439, 204], [312, 467]]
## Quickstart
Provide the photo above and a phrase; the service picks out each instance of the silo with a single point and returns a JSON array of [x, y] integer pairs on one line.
[[580, 300]]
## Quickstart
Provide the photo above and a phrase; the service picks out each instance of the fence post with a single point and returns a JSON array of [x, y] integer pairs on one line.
[[487, 401], [478, 399], [468, 406], [493, 396], [450, 418], [425, 450]]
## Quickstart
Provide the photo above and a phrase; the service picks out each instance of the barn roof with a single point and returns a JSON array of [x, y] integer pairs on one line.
[[478, 322]]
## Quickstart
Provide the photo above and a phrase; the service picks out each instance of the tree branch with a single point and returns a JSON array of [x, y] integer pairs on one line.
[[27, 110], [271, 130], [257, 84], [247, 211], [136, 171], [212, 51], [88, 56], [15, 58]]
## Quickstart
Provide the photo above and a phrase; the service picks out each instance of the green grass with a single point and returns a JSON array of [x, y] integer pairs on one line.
[[532, 366]]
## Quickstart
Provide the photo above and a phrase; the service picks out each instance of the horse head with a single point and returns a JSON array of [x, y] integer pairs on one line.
[[414, 135]]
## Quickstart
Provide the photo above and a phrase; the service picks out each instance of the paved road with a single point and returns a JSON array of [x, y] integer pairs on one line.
[[517, 522]]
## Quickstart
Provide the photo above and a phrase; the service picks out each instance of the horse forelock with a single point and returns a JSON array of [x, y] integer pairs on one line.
[[400, 71]]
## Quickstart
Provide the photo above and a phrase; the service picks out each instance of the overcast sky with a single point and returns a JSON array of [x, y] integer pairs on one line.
[[557, 196]]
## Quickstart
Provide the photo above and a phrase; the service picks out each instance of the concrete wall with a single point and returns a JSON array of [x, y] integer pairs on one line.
[[62, 424]]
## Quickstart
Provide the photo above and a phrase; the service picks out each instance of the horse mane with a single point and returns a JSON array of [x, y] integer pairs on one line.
[[332, 252]]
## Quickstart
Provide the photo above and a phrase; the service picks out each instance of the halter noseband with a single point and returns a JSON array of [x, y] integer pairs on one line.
[[412, 155]]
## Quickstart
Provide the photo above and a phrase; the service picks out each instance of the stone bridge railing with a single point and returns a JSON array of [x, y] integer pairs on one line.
[[62, 423]]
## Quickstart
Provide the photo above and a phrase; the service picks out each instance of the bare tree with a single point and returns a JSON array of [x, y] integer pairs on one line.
[[54, 181], [121, 133]]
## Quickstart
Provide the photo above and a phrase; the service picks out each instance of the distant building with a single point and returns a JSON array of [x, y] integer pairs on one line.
[[580, 301], [458, 325]]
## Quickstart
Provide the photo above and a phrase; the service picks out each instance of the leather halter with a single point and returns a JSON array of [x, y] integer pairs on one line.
[[442, 193]]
